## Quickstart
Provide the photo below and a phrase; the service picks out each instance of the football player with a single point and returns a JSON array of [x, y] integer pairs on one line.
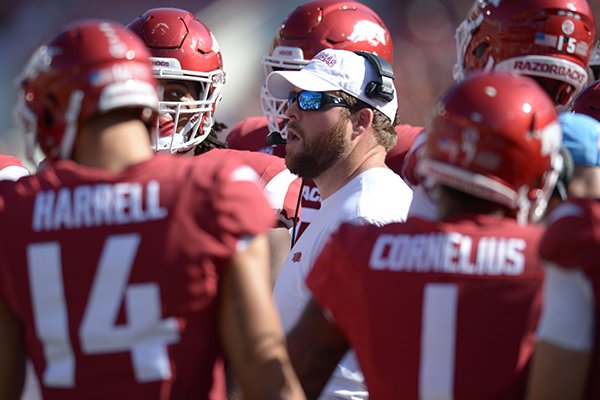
[[310, 28], [188, 63], [548, 40], [125, 274], [445, 309], [567, 359]]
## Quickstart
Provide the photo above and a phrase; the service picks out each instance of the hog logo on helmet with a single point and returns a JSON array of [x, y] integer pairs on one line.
[[368, 31], [89, 68], [314, 26], [549, 40], [508, 157]]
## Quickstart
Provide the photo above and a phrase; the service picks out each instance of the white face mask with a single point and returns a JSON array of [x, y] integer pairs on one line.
[[281, 59], [185, 123]]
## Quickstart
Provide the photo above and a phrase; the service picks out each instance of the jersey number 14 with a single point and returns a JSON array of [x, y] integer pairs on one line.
[[146, 334]]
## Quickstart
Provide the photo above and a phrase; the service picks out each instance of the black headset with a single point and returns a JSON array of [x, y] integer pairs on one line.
[[383, 87]]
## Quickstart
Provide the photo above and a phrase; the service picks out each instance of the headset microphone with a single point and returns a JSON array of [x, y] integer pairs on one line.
[[274, 139]]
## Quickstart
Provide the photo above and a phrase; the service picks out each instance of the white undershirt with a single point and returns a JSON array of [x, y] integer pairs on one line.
[[377, 196], [568, 312]]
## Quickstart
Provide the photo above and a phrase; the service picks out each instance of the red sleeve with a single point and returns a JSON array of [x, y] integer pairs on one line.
[[335, 279], [276, 178], [239, 207], [573, 237], [9, 161], [228, 202], [251, 134], [280, 185], [408, 170], [396, 157]]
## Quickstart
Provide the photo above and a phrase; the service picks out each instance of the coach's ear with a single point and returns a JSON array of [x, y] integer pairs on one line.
[[361, 120]]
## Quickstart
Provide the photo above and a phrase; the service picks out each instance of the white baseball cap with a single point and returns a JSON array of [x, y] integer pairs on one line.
[[332, 70]]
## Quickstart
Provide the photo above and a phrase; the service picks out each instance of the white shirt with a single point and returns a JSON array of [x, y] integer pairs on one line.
[[568, 314], [377, 196], [422, 205]]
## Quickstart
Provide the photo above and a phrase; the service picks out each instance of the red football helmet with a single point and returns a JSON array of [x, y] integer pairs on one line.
[[315, 26], [183, 49], [495, 136], [549, 40], [588, 101], [89, 68]]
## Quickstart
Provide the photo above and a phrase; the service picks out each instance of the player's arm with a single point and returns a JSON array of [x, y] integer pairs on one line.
[[280, 243], [565, 337], [315, 346], [558, 373], [12, 354], [250, 328]]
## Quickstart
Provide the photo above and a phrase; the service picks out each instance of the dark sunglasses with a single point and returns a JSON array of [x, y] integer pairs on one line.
[[312, 101]]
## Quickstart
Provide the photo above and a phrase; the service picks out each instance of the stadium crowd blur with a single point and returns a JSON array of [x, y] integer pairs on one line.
[[422, 31]]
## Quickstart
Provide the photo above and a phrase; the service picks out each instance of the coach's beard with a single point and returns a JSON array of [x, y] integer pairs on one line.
[[315, 155]]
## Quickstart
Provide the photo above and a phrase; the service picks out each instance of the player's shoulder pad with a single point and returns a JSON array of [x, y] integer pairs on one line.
[[249, 134]]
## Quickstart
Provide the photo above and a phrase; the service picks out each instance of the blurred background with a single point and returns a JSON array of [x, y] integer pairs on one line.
[[422, 30]]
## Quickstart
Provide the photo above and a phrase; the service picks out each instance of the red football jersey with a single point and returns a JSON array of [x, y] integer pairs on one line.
[[251, 134], [9, 161], [115, 275], [281, 186], [443, 310], [573, 240], [406, 137]]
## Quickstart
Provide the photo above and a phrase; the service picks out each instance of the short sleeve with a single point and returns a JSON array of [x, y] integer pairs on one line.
[[282, 188], [240, 209], [568, 313], [573, 237]]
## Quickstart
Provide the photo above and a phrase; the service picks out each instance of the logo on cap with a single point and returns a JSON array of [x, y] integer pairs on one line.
[[329, 59]]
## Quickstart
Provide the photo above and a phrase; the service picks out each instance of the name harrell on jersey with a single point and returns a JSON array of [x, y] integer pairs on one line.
[[97, 205]]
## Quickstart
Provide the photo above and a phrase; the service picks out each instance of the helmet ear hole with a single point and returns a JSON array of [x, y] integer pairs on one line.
[[480, 50], [47, 118]]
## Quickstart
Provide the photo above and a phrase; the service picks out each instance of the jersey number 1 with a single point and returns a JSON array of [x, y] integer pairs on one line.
[[145, 334], [438, 338]]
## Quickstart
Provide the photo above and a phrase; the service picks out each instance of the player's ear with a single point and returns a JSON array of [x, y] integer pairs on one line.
[[361, 120]]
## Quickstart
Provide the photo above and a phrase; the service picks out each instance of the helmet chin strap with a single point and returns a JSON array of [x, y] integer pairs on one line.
[[490, 64], [550, 181], [71, 118], [523, 205]]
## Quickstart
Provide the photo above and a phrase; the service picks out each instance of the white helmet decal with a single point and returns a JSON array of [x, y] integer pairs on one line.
[[368, 31]]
